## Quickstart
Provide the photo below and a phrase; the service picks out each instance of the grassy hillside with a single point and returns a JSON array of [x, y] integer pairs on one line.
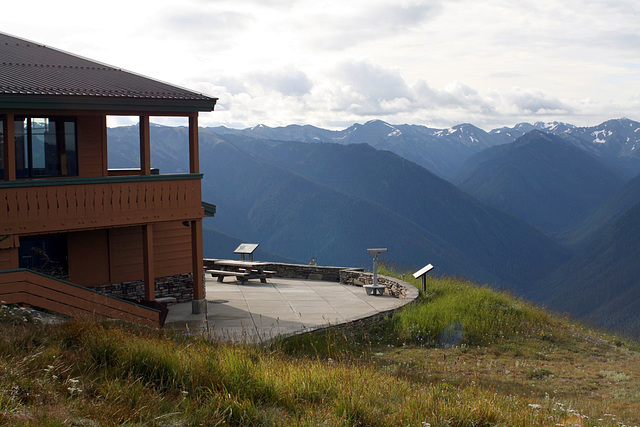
[[462, 356]]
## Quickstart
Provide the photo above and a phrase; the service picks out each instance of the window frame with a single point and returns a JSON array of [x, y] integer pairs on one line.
[[24, 129]]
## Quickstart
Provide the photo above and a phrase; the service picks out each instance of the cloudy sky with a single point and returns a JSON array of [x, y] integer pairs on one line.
[[333, 63]]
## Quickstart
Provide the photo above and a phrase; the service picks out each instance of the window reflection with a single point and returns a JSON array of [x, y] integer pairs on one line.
[[45, 147]]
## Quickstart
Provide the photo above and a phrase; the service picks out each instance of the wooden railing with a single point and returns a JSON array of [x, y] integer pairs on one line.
[[24, 286], [51, 205]]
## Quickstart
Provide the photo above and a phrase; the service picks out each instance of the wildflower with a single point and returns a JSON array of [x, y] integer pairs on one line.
[[535, 406]]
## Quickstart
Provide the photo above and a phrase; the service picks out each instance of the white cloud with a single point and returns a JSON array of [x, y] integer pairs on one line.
[[334, 62], [288, 82], [534, 101], [366, 88]]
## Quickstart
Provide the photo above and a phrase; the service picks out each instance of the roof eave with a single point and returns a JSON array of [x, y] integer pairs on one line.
[[113, 105]]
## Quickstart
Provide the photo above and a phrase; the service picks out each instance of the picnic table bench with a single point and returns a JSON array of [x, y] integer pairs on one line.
[[241, 270]]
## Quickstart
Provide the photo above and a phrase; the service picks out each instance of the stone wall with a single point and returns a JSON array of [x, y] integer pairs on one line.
[[309, 272], [395, 287], [344, 275], [179, 287], [298, 271]]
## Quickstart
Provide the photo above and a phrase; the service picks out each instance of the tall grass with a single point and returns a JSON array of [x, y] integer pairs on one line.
[[106, 374], [453, 311], [112, 374]]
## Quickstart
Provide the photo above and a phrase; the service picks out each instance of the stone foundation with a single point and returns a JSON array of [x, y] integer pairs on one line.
[[309, 272], [395, 287], [179, 287]]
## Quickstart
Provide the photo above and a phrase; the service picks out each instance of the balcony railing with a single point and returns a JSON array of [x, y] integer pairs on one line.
[[23, 286], [63, 204]]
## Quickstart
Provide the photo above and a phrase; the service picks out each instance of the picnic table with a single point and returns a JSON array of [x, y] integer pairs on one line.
[[241, 270]]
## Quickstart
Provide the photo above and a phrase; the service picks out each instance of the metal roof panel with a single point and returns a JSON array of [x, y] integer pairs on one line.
[[32, 69]]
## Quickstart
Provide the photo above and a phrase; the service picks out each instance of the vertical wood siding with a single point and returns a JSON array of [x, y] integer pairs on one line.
[[107, 202], [89, 257], [171, 251], [91, 131]]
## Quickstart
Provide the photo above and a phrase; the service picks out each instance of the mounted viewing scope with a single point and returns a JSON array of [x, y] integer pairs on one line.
[[375, 287], [377, 251]]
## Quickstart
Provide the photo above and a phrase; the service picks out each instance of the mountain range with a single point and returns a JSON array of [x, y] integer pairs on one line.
[[541, 178], [531, 204], [615, 142]]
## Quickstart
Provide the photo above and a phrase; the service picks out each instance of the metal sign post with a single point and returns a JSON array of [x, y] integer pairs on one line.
[[423, 273]]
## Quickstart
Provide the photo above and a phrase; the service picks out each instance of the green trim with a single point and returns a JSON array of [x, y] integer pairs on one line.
[[209, 209], [115, 104], [49, 182], [20, 270]]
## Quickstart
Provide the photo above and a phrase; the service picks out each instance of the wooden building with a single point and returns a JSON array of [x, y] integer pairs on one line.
[[66, 219]]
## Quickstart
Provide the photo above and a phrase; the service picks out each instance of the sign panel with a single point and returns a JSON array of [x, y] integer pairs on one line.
[[424, 270], [246, 248]]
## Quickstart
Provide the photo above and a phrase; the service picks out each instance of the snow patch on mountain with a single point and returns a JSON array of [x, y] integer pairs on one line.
[[601, 136]]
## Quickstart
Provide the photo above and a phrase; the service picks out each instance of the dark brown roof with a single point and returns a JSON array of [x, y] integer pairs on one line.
[[33, 75]]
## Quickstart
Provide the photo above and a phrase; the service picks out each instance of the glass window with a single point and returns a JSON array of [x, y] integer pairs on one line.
[[45, 147], [45, 254]]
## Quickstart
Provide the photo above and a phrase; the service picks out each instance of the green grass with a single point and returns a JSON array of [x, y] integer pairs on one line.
[[115, 375], [504, 362], [453, 312]]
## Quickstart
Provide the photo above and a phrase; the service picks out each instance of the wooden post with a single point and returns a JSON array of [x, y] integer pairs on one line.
[[105, 147], [145, 146], [422, 273], [194, 154], [199, 304], [147, 254], [9, 148]]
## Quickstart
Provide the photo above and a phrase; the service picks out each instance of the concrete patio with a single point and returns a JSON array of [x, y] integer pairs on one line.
[[257, 312]]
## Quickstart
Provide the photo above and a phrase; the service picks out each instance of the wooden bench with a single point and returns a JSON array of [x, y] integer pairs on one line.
[[242, 270], [221, 274]]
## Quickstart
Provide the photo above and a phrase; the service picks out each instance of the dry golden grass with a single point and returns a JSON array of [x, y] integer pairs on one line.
[[506, 363]]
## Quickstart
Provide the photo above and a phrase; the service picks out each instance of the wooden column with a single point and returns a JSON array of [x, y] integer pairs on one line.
[[105, 147], [199, 304], [194, 153], [147, 255], [9, 148], [145, 146]]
